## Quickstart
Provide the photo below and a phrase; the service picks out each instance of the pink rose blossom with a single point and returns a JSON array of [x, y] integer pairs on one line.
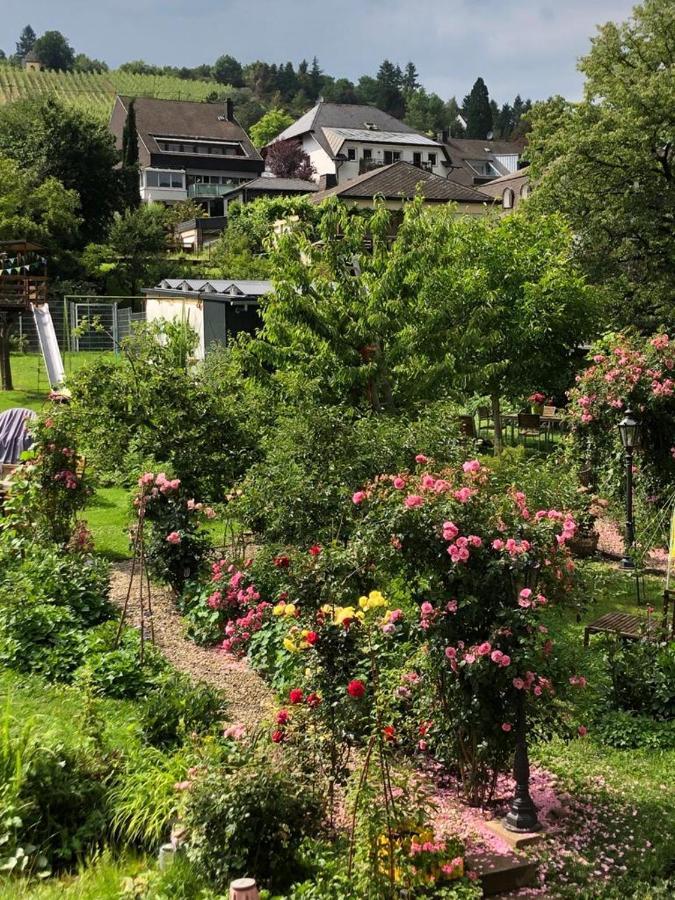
[[506, 726], [518, 684], [399, 483], [173, 537], [450, 530], [421, 459], [358, 497], [471, 466], [413, 500]]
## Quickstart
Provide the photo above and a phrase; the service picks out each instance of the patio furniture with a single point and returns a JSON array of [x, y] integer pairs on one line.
[[529, 426], [634, 628], [484, 414], [467, 426]]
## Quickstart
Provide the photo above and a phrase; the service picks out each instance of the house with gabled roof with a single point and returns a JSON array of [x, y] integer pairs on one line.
[[476, 162], [400, 182], [509, 190], [345, 140], [188, 149]]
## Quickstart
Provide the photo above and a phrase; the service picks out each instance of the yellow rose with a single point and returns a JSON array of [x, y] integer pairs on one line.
[[363, 602], [376, 599], [279, 609], [289, 609], [290, 645]]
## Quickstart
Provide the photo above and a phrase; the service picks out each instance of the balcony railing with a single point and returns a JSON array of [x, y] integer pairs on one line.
[[204, 191]]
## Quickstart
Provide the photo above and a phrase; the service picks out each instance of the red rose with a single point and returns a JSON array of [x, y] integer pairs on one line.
[[311, 637], [389, 732], [315, 550], [313, 700], [296, 695], [356, 689], [281, 562], [277, 736], [282, 717]]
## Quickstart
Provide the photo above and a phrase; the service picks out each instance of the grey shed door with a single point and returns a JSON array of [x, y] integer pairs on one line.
[[214, 323]]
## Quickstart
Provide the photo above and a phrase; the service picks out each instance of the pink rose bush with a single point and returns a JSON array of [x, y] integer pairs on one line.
[[626, 371], [171, 525]]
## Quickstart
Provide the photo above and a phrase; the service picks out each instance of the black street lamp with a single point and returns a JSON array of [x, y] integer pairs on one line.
[[629, 429], [522, 814]]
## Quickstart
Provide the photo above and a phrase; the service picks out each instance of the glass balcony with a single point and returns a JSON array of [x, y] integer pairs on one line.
[[204, 191]]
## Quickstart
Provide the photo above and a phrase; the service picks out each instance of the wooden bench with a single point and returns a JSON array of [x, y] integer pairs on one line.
[[634, 628]]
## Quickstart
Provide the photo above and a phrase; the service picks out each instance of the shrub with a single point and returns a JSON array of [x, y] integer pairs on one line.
[[47, 600], [626, 370], [643, 677], [249, 820], [52, 486], [177, 708], [149, 407], [174, 542], [113, 668], [316, 456]]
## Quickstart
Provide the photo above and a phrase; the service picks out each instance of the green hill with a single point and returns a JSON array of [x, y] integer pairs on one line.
[[95, 92]]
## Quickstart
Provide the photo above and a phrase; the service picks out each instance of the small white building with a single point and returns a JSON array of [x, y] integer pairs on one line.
[[216, 309], [344, 140]]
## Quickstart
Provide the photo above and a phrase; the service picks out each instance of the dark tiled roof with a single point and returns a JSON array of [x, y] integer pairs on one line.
[[265, 183], [217, 287], [460, 150], [343, 115], [186, 118], [401, 180]]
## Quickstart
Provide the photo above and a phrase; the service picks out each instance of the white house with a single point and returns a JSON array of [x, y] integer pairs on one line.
[[344, 140]]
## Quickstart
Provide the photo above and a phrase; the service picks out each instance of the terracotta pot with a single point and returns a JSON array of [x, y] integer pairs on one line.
[[244, 889]]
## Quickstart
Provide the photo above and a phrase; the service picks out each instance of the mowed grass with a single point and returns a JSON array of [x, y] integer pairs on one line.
[[108, 515], [29, 374]]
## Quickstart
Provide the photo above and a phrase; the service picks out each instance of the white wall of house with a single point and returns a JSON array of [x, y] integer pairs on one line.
[[181, 309], [345, 171]]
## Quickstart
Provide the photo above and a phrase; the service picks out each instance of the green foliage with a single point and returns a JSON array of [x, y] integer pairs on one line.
[[150, 408], [477, 111], [47, 599], [643, 677], [251, 819], [39, 209], [607, 164], [53, 486], [54, 141], [54, 52], [130, 258], [112, 667], [177, 708], [315, 457], [269, 126]]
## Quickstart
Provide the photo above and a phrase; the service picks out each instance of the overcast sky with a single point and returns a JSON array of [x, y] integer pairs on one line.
[[518, 46]]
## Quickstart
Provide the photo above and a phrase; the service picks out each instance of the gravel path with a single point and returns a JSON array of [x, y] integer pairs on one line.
[[250, 700]]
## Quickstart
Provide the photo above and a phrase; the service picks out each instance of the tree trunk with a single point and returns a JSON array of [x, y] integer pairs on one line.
[[497, 421], [6, 325]]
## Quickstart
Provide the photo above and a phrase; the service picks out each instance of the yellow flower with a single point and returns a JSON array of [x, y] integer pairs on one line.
[[290, 645], [363, 602], [376, 599], [289, 609], [279, 609], [342, 613]]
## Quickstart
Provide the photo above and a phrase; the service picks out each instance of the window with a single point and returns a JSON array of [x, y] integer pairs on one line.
[[525, 192], [417, 159], [507, 199], [391, 156], [483, 167], [432, 159], [351, 153], [164, 179], [367, 153]]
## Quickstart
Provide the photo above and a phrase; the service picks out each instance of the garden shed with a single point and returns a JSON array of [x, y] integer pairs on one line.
[[216, 309]]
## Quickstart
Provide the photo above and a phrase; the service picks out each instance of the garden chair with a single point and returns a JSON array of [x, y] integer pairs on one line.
[[484, 414], [634, 628], [529, 425]]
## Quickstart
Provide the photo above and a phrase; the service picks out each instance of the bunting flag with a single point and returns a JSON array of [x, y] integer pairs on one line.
[[15, 265]]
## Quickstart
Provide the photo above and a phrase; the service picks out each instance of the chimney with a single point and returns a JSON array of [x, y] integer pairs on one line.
[[328, 180], [229, 110]]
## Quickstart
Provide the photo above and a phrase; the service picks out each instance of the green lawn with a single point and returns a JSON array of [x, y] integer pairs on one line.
[[108, 515], [31, 385]]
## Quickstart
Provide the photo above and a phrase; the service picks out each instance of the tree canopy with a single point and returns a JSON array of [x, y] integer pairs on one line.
[[607, 164], [57, 141], [269, 126], [477, 111], [453, 306], [54, 51]]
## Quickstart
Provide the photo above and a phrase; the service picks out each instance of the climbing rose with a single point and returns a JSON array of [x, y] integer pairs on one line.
[[173, 537], [356, 689], [296, 695]]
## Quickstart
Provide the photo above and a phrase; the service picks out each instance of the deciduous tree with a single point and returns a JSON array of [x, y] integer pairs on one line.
[[269, 126], [608, 163], [287, 159], [54, 51]]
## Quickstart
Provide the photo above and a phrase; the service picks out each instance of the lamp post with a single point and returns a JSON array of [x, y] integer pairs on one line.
[[629, 432], [522, 814]]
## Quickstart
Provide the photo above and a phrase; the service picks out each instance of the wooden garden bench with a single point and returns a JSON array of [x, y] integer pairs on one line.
[[633, 628]]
